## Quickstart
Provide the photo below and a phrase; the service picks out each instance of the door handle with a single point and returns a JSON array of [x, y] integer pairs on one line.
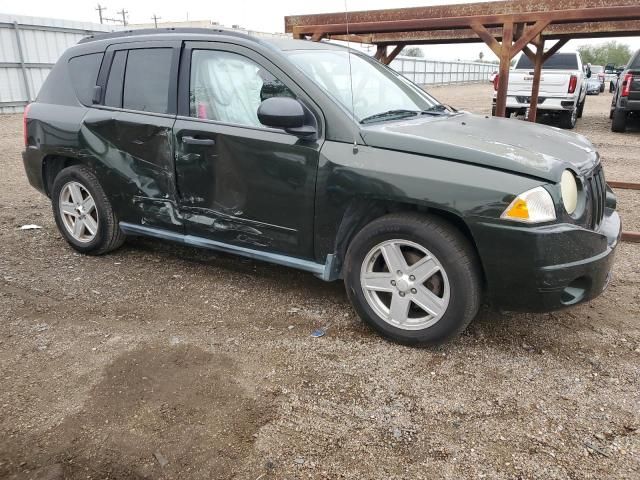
[[203, 142]]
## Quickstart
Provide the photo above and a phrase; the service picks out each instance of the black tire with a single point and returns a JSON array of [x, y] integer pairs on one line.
[[581, 107], [568, 120], [619, 121], [108, 235], [448, 245], [601, 87], [493, 111], [611, 113]]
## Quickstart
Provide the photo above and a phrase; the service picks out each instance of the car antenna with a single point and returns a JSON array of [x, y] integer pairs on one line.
[[353, 108]]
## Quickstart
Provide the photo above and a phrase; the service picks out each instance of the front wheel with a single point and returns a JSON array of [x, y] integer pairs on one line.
[[83, 212], [415, 279]]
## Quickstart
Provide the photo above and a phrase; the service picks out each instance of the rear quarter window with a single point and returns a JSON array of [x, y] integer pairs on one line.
[[84, 73], [635, 62]]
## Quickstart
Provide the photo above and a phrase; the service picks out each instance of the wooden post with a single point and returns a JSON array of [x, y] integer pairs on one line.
[[505, 63], [537, 72]]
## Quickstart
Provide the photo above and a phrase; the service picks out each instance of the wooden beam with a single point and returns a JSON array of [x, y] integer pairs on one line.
[[505, 63], [487, 38], [532, 56], [528, 35], [316, 37], [633, 237], [537, 73], [557, 46], [394, 53], [624, 185]]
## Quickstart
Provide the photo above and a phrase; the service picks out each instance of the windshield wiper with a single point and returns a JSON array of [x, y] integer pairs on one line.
[[399, 113]]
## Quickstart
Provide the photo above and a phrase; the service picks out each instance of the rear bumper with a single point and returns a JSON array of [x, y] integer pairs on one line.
[[547, 268], [629, 105], [520, 102], [32, 160]]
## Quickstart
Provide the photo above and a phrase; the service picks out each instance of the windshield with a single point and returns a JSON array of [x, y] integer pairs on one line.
[[378, 91], [557, 61]]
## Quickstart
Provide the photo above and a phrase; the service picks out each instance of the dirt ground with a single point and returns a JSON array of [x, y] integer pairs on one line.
[[159, 361]]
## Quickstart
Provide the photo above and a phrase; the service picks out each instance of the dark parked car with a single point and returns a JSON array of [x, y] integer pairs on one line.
[[301, 154], [626, 98]]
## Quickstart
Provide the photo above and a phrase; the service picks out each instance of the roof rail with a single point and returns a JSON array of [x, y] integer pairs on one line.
[[160, 31]]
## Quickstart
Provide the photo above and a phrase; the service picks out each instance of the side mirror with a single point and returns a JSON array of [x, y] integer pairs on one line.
[[588, 72], [286, 113], [97, 94]]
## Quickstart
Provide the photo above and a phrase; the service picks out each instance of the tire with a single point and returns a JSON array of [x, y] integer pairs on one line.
[[581, 108], [611, 113], [98, 231], [611, 87], [568, 119], [455, 289], [493, 111], [619, 121], [601, 87]]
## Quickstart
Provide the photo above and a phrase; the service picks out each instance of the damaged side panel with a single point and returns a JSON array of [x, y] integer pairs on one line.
[[136, 160]]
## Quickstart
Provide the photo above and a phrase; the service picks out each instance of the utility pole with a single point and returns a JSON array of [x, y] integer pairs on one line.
[[100, 9], [155, 19], [123, 12]]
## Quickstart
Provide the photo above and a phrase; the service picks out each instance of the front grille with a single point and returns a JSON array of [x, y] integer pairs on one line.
[[596, 191]]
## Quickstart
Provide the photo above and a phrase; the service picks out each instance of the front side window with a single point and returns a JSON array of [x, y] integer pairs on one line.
[[147, 78], [376, 89], [229, 87]]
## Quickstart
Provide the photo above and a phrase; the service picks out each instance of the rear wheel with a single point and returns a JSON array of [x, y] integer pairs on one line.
[[83, 212], [619, 120], [568, 119], [581, 107], [415, 279]]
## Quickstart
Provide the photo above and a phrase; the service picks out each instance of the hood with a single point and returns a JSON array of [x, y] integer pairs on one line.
[[517, 146]]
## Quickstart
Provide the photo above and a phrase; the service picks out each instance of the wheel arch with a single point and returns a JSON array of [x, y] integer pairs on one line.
[[361, 212], [52, 165]]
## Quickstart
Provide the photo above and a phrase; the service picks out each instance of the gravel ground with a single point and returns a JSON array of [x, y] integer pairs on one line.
[[159, 361]]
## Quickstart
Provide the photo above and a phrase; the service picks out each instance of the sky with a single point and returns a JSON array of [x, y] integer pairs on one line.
[[266, 16]]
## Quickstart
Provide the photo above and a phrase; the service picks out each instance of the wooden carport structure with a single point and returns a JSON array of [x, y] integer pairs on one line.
[[507, 27]]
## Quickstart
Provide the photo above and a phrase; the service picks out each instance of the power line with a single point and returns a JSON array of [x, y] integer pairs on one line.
[[155, 19]]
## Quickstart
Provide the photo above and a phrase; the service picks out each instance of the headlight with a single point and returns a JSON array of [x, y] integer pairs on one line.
[[532, 206], [569, 190]]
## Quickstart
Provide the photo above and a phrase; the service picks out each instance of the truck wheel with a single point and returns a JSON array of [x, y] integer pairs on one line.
[[413, 278], [568, 119], [83, 212], [493, 111], [581, 107], [619, 120]]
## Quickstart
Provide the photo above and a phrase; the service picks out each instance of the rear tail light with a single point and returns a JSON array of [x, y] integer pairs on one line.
[[626, 84], [573, 82], [496, 79], [24, 124]]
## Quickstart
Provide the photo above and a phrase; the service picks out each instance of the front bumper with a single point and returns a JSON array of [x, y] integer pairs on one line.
[[540, 269]]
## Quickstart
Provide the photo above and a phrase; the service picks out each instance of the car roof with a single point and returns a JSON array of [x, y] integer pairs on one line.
[[207, 34]]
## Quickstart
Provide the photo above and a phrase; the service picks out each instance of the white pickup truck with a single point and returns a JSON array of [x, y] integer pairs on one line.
[[562, 87]]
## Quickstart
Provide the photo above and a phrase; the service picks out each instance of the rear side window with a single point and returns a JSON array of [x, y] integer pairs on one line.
[[558, 61], [84, 73], [146, 80], [635, 62], [113, 95]]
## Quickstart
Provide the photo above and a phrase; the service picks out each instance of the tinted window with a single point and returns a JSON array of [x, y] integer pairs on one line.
[[113, 95], [229, 87], [147, 78], [635, 61], [558, 61], [84, 73]]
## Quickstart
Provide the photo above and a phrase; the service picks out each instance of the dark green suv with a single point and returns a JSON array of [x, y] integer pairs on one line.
[[311, 156]]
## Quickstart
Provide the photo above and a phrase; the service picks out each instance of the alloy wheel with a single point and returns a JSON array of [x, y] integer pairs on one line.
[[405, 284], [78, 212]]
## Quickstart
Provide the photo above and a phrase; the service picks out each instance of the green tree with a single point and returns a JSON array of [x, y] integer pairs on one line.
[[412, 52], [603, 53]]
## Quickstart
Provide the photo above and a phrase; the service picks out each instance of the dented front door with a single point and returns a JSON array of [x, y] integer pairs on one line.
[[238, 181]]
